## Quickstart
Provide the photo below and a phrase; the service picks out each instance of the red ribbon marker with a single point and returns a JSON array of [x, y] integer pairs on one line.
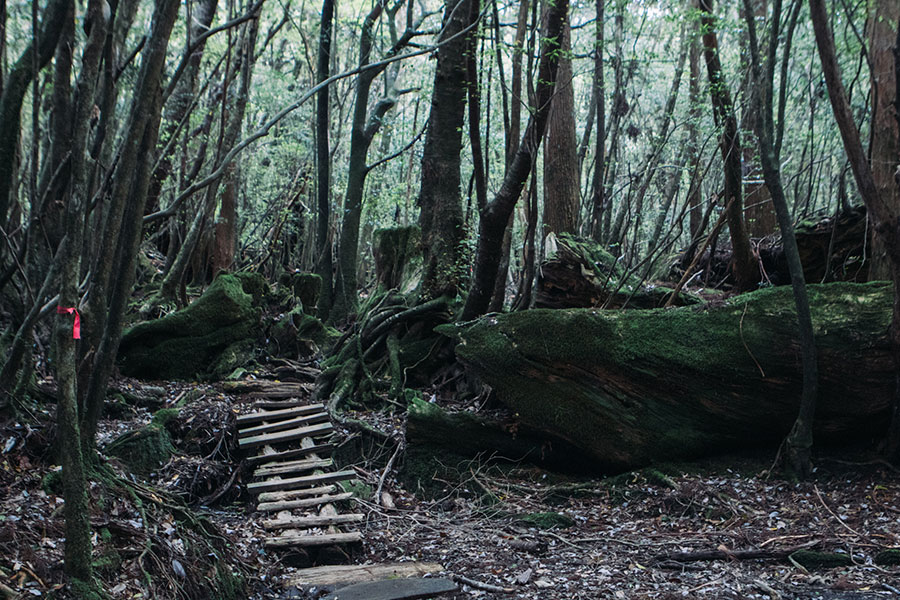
[[76, 328]]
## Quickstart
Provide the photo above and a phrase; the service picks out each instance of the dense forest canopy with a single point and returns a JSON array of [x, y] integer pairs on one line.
[[391, 167]]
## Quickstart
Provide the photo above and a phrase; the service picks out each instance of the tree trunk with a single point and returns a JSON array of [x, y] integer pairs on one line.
[[885, 148], [496, 214], [226, 224], [324, 263], [129, 187], [600, 140], [800, 439], [71, 435], [14, 90], [634, 387], [744, 265], [561, 177], [884, 215], [695, 197], [441, 216]]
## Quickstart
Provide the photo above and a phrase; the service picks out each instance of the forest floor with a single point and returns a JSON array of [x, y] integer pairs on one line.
[[532, 533]]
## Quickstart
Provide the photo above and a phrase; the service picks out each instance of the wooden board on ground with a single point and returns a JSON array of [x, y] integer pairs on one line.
[[396, 589], [303, 540], [264, 388], [294, 466], [318, 417], [295, 494], [272, 485], [348, 574], [281, 413], [310, 522], [285, 436], [293, 453], [303, 503]]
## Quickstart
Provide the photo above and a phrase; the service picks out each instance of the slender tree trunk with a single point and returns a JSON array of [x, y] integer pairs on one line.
[[226, 224], [496, 213], [600, 140], [800, 439], [129, 187], [885, 141], [324, 261], [743, 263], [884, 215], [561, 176], [233, 117], [14, 90], [75, 490], [695, 198]]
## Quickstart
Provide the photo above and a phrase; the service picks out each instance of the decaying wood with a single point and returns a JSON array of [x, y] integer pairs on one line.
[[296, 494], [301, 540], [272, 485], [295, 466], [285, 436], [283, 413], [310, 522], [305, 503], [347, 574]]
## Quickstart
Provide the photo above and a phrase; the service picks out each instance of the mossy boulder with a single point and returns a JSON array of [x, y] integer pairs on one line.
[[208, 338], [578, 273], [143, 450], [298, 334], [631, 388]]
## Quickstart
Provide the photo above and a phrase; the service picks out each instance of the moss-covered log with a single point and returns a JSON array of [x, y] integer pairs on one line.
[[211, 336], [634, 387], [579, 273]]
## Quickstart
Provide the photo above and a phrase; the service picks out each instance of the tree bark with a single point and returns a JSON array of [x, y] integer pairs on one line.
[[744, 265], [885, 141], [496, 213], [324, 260], [561, 177], [129, 187], [600, 140], [441, 216], [800, 439], [14, 90], [884, 214]]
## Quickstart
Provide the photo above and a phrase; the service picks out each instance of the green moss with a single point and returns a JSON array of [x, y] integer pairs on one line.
[[358, 489], [52, 483], [398, 258], [547, 520], [84, 590], [142, 450], [164, 415], [188, 343], [634, 387], [229, 585], [108, 562], [307, 287], [888, 558], [821, 560]]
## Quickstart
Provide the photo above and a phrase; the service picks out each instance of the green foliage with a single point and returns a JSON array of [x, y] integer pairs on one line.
[[547, 520]]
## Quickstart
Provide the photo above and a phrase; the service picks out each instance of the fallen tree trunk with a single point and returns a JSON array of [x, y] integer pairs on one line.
[[633, 387]]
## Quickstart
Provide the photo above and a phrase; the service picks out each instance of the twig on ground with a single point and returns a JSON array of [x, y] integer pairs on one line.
[[485, 587]]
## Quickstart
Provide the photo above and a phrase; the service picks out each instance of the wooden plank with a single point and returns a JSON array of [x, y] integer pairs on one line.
[[293, 453], [271, 485], [336, 575], [303, 503], [282, 413], [291, 540], [296, 494], [285, 436], [282, 425], [310, 522], [264, 388], [414, 588], [294, 466], [279, 404]]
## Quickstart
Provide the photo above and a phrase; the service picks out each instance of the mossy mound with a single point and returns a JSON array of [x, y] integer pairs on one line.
[[143, 450], [398, 258], [298, 334], [547, 520], [632, 388], [208, 338]]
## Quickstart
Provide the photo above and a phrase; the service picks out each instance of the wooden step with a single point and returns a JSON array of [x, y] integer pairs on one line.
[[292, 540], [303, 503], [296, 494], [279, 404], [271, 485], [282, 425], [282, 413], [340, 575], [294, 453], [414, 588], [286, 436], [294, 466], [310, 522]]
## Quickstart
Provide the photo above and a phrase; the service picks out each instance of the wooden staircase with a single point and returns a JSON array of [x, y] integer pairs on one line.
[[294, 476]]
